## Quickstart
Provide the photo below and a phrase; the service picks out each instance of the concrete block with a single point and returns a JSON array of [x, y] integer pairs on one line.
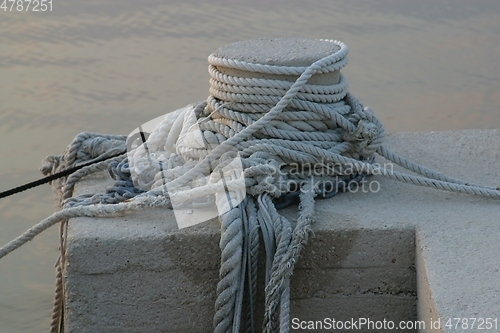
[[370, 256]]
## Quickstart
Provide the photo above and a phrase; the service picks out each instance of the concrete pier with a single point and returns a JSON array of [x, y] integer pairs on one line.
[[401, 254]]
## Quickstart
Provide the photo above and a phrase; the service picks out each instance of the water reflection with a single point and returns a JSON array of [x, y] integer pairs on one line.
[[107, 66]]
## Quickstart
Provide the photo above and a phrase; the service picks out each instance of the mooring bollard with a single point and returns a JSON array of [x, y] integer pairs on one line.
[[249, 81]]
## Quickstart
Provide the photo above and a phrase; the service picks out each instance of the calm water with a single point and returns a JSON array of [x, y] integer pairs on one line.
[[108, 66]]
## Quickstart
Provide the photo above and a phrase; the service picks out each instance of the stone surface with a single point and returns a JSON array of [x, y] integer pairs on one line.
[[138, 272], [283, 51]]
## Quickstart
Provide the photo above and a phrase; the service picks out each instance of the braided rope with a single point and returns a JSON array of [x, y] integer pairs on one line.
[[282, 230], [99, 210], [252, 263], [231, 244], [272, 123]]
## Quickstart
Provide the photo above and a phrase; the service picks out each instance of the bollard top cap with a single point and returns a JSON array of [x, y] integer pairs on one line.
[[282, 51]]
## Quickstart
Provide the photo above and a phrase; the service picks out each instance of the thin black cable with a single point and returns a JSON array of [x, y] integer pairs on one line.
[[55, 176]]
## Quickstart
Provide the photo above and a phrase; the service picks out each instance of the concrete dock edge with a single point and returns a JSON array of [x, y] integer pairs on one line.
[[403, 253]]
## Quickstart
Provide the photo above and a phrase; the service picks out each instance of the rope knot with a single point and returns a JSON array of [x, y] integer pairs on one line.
[[50, 164], [265, 178], [364, 134], [367, 135]]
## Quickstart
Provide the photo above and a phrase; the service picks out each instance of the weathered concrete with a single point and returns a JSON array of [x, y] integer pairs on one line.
[[283, 51], [139, 273]]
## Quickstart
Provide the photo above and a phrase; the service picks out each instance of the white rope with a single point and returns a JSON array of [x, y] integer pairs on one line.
[[98, 210]]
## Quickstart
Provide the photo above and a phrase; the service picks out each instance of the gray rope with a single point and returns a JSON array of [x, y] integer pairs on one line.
[[231, 244], [282, 230], [252, 263], [99, 210], [277, 289], [316, 67], [421, 170], [268, 233], [244, 266]]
